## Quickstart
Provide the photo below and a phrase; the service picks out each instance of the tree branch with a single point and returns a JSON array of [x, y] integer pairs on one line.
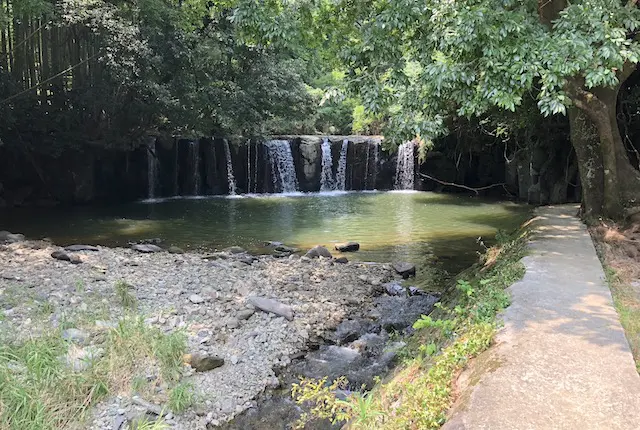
[[451, 184]]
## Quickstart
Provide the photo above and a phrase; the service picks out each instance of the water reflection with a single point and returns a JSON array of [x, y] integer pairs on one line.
[[388, 225]]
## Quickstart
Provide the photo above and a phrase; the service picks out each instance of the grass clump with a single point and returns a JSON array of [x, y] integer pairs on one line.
[[40, 390], [420, 393], [125, 295], [181, 397]]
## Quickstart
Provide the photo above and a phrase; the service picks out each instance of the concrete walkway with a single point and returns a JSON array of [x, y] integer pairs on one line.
[[562, 360]]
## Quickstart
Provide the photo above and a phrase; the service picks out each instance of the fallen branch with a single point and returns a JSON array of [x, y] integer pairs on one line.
[[475, 190]]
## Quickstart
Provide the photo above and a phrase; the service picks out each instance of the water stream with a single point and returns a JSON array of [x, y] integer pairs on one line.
[[326, 176], [283, 170], [341, 174], [230, 178], [405, 167]]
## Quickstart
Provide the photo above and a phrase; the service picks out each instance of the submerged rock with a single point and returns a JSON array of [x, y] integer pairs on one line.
[[405, 269], [347, 247], [146, 248], [235, 250], [273, 306], [318, 251]]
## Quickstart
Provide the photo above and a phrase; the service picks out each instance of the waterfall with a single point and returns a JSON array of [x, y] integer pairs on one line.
[[152, 169], [341, 175], [194, 160], [231, 180], [283, 170], [376, 159], [405, 167], [326, 178], [366, 168]]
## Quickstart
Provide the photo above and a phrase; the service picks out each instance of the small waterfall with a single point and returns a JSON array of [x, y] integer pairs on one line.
[[283, 170], [366, 167], [376, 159], [231, 180], [194, 160], [405, 167], [326, 178], [152, 169], [341, 174]]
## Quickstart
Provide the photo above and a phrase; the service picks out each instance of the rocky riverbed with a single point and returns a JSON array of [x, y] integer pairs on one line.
[[256, 314]]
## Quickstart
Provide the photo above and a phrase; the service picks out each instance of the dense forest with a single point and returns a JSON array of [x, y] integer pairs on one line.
[[549, 83]]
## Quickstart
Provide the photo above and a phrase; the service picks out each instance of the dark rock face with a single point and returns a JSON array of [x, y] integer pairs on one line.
[[405, 270], [347, 247], [318, 251]]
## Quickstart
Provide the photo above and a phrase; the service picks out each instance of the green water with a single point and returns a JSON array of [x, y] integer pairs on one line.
[[389, 226]]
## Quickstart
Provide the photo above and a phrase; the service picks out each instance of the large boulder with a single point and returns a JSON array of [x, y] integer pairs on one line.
[[63, 256], [405, 269], [347, 246], [318, 251]]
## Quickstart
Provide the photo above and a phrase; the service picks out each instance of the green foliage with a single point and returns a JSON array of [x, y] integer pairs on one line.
[[124, 294], [181, 397]]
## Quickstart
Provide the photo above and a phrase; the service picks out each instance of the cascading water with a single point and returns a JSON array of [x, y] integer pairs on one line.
[[326, 177], [376, 158], [152, 169], [341, 174], [283, 170], [231, 180], [405, 167], [194, 160]]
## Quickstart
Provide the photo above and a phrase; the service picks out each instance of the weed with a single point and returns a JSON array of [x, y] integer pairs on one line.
[[125, 296], [146, 424], [80, 286], [181, 397]]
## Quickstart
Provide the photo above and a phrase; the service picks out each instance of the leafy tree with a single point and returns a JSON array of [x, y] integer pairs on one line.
[[421, 63]]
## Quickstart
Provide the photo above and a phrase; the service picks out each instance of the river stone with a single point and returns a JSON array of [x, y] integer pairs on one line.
[[8, 237], [196, 299], [273, 306], [175, 250], [146, 248], [349, 330], [246, 259], [341, 260], [204, 363], [285, 249], [74, 248], [318, 251], [63, 256], [75, 335], [245, 314], [347, 247], [405, 269]]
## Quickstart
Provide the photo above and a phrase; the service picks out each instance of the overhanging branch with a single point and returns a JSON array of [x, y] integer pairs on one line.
[[475, 190]]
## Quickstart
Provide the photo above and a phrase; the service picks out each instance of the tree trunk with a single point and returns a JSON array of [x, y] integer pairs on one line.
[[585, 141]]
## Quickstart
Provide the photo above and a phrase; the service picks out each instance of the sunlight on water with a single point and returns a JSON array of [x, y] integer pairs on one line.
[[389, 225]]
